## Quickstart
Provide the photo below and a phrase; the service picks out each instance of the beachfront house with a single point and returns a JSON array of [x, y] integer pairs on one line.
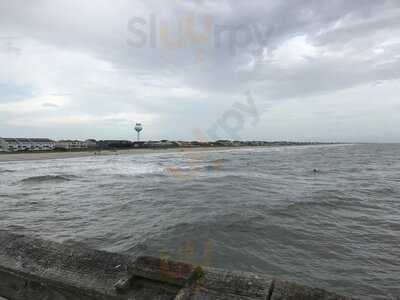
[[71, 145], [91, 143], [139, 144], [223, 143], [26, 144], [183, 144], [161, 144]]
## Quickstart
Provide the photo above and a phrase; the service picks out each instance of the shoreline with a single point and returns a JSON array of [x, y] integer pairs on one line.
[[10, 157]]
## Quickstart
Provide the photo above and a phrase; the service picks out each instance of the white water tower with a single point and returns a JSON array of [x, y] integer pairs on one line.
[[138, 128]]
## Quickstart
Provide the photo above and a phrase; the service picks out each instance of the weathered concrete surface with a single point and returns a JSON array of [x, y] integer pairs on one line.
[[33, 269], [220, 284], [284, 290]]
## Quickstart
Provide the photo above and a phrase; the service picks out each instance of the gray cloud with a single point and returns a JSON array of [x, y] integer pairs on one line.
[[295, 56]]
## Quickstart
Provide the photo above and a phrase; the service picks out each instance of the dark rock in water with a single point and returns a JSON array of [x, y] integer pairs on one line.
[[47, 178]]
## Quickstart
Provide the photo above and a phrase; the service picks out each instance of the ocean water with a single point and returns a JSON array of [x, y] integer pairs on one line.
[[262, 210]]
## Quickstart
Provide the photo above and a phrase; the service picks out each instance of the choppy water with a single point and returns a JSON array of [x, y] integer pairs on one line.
[[261, 210]]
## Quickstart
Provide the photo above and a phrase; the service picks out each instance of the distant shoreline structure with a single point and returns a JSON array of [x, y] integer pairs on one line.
[[34, 145], [66, 154]]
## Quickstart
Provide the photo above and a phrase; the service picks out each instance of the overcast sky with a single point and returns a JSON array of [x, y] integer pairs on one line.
[[186, 69]]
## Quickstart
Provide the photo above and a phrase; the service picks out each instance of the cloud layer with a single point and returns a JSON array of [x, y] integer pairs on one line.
[[316, 70]]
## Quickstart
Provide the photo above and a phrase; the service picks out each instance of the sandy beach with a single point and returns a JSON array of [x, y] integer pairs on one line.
[[64, 155]]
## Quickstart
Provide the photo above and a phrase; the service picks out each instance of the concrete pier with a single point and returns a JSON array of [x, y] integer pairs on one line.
[[34, 269]]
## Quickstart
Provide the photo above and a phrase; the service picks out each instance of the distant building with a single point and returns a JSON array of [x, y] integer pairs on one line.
[[26, 144], [167, 144], [183, 144], [139, 144], [237, 143], [223, 143], [91, 143], [161, 144], [71, 145], [114, 144]]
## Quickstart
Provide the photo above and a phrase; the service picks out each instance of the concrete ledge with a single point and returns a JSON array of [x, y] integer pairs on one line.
[[284, 290], [33, 269]]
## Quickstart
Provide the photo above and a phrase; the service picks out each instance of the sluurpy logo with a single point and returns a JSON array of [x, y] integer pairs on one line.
[[179, 33], [189, 31], [159, 31], [188, 252]]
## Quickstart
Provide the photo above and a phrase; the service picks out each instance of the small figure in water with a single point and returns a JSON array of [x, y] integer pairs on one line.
[[316, 171]]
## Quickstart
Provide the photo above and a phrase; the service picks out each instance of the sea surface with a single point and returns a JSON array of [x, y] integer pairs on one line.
[[262, 210]]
